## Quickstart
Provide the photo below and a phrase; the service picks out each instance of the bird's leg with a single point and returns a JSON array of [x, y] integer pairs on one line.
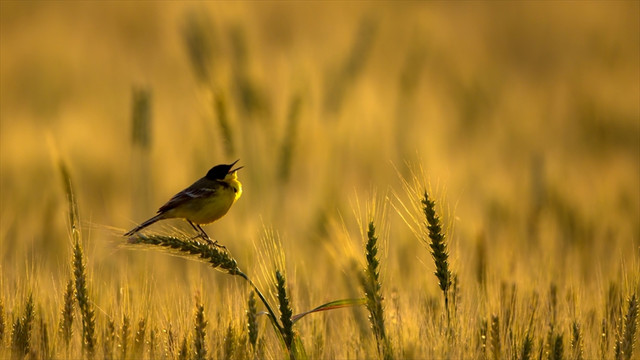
[[201, 233], [212, 242], [204, 234]]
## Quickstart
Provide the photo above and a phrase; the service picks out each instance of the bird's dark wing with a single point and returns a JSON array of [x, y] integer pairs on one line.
[[202, 188]]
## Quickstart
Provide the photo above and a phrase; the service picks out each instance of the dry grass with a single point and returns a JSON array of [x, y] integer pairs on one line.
[[521, 120]]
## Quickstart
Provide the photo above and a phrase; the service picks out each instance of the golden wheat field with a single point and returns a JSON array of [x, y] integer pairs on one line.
[[438, 180]]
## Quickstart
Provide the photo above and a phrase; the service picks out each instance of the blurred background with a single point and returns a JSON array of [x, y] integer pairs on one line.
[[523, 119]]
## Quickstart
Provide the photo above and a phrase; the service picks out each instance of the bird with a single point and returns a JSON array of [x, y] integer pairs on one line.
[[204, 202]]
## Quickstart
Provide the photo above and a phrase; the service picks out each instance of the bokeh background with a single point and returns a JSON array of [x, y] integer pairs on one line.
[[522, 118]]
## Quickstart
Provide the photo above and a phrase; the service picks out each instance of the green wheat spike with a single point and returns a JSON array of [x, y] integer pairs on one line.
[[124, 336], [82, 295], [152, 343], [183, 354], [229, 345], [45, 345], [138, 341], [285, 311], [576, 341], [22, 331], [373, 293], [199, 333], [78, 266], [2, 320], [557, 352], [438, 248], [527, 348], [252, 323], [108, 339], [141, 118], [288, 144], [66, 320], [197, 35], [624, 347], [495, 337]]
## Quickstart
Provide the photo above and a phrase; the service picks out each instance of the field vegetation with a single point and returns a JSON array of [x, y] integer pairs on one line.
[[422, 180]]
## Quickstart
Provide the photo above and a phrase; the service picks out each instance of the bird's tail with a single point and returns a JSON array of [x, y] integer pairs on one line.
[[145, 224]]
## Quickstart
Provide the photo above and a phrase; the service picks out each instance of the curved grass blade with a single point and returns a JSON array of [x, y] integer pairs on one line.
[[338, 304]]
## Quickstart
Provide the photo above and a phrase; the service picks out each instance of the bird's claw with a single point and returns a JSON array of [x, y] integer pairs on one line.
[[216, 244], [209, 241]]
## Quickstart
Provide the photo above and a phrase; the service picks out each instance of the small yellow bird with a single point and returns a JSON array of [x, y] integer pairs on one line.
[[204, 202]]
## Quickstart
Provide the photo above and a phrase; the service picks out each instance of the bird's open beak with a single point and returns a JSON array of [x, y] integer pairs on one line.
[[236, 169]]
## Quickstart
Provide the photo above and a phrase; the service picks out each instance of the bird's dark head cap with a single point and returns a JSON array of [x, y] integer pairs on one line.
[[219, 172]]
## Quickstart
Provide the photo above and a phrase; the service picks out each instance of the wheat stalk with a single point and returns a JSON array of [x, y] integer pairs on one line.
[[252, 323], [285, 313], [199, 333], [82, 296], [604, 338], [624, 346], [183, 354], [108, 339], [21, 332], [197, 35], [222, 113], [197, 31], [481, 262], [495, 337], [138, 340], [527, 347], [288, 143], [373, 293], [45, 345], [66, 320], [213, 255], [350, 68], [483, 329], [141, 119], [2, 320], [124, 336], [557, 350], [78, 266], [229, 345], [152, 343], [170, 350], [576, 341], [249, 98], [438, 248]]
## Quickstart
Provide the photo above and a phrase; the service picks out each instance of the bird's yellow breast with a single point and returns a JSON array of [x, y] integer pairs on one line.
[[232, 180]]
